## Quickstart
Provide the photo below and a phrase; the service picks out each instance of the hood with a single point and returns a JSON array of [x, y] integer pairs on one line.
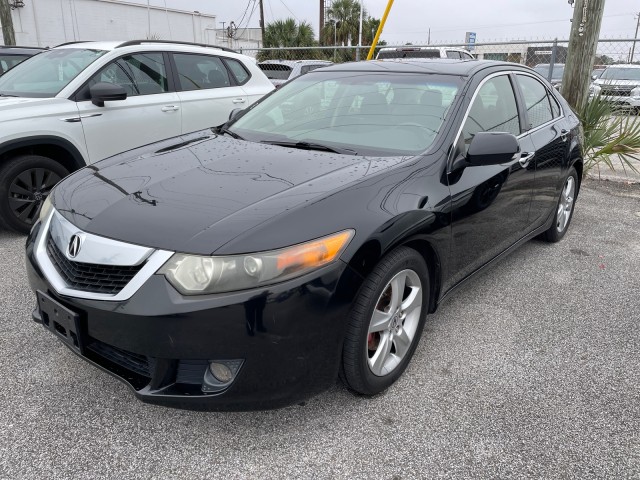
[[618, 83], [198, 192], [18, 107]]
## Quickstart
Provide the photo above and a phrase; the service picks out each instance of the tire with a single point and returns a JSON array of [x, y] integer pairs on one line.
[[25, 182], [364, 368], [564, 209]]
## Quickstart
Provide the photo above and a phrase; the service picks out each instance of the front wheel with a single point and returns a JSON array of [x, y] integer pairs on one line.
[[386, 322], [25, 182], [564, 209]]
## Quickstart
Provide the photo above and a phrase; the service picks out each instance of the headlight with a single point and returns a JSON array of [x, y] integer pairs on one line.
[[196, 275], [45, 208], [594, 90]]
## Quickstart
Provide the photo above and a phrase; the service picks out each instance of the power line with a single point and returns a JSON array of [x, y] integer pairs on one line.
[[294, 15]]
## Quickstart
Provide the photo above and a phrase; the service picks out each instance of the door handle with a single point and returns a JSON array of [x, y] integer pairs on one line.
[[563, 135], [170, 108], [525, 158], [239, 100]]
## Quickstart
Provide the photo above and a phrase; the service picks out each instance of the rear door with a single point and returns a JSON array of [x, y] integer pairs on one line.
[[490, 204], [207, 90], [546, 127], [150, 113]]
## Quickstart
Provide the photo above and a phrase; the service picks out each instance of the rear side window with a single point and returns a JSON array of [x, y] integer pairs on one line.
[[536, 100], [275, 71], [238, 70], [198, 72], [453, 54], [409, 53], [139, 74]]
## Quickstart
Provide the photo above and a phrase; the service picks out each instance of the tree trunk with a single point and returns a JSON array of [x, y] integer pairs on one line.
[[583, 42], [7, 23]]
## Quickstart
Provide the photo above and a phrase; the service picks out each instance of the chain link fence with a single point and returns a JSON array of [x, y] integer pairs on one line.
[[548, 56]]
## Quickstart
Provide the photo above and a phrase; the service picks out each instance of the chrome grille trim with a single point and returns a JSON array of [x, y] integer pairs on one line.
[[135, 255]]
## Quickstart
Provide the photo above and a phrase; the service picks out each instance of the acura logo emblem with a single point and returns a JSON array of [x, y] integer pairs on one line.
[[74, 246]]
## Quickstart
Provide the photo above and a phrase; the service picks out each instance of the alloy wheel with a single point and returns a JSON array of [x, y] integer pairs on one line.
[[28, 190], [394, 322], [565, 206]]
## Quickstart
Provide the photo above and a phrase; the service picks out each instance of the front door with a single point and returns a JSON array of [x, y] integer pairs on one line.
[[490, 204], [149, 114]]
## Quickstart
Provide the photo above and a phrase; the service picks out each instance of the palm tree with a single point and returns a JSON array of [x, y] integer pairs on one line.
[[343, 22], [285, 34]]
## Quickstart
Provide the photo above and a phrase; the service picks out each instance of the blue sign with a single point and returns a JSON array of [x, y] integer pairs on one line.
[[470, 40]]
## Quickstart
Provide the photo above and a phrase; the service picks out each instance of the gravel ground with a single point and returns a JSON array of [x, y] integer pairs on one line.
[[531, 371]]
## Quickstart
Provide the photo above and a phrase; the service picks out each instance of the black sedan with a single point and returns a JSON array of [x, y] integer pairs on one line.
[[250, 265]]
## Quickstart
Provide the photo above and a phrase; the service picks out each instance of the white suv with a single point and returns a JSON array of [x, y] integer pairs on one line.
[[410, 51], [81, 102]]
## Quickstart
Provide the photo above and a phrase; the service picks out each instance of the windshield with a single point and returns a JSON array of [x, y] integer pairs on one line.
[[621, 74], [372, 114], [558, 71], [10, 61], [275, 71], [408, 53], [45, 74]]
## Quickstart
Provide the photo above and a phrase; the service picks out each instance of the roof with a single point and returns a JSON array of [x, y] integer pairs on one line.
[[417, 48], [422, 65], [291, 63], [17, 50], [623, 65]]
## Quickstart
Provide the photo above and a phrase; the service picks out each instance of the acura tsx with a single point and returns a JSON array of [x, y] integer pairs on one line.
[[250, 265]]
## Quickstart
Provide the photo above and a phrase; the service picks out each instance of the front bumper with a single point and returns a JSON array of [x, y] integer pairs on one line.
[[288, 336]]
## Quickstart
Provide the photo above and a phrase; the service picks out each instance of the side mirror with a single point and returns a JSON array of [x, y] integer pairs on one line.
[[594, 77], [234, 113], [106, 92], [492, 148]]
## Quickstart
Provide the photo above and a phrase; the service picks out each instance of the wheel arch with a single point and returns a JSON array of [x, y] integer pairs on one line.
[[371, 252], [55, 148]]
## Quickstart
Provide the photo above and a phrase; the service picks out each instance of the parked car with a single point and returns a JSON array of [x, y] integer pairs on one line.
[[246, 266], [281, 71], [556, 73], [595, 74], [81, 102], [619, 84], [409, 51], [10, 56]]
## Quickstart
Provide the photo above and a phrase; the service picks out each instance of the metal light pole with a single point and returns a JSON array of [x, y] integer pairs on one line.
[[359, 34], [148, 20]]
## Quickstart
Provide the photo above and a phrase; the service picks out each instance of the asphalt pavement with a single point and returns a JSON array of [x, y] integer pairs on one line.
[[532, 371]]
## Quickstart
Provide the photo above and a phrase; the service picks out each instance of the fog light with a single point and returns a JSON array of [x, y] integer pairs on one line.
[[221, 372]]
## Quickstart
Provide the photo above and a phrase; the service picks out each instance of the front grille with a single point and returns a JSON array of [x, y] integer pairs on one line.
[[617, 92], [89, 277], [133, 362]]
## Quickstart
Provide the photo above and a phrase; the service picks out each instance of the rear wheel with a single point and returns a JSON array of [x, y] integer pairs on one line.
[[564, 209], [386, 322], [25, 182]]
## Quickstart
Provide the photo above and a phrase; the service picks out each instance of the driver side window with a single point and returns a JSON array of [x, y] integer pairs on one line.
[[139, 74], [494, 109]]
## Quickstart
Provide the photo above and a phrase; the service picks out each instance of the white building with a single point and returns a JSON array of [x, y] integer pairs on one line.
[[46, 23]]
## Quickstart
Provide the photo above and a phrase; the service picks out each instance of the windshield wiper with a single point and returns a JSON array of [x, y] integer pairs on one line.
[[311, 146], [223, 129]]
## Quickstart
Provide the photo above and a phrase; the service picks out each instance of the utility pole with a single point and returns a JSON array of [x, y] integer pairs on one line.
[[262, 19], [583, 42], [359, 34], [6, 22], [633, 48]]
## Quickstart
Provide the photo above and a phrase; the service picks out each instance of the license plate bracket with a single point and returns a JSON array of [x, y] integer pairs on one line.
[[62, 322]]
